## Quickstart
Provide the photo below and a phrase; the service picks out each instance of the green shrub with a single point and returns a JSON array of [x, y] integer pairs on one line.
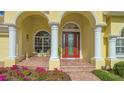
[[119, 68], [106, 76]]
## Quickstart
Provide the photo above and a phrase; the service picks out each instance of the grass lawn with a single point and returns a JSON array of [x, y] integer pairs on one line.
[[116, 74], [107, 75]]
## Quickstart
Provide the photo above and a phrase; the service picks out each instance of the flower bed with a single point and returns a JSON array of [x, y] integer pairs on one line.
[[23, 73]]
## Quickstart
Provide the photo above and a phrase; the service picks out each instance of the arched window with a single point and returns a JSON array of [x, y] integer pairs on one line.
[[70, 26], [120, 44], [42, 42]]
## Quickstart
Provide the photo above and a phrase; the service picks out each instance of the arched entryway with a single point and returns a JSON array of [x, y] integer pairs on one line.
[[82, 24], [42, 42], [30, 26]]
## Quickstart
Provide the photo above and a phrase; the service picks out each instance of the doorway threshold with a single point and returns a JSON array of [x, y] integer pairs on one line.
[[71, 58]]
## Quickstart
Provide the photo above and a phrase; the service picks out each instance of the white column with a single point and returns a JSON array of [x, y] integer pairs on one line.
[[54, 41], [112, 47], [12, 42], [98, 43]]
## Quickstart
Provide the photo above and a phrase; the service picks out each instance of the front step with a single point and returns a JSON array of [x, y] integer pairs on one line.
[[77, 68], [77, 65]]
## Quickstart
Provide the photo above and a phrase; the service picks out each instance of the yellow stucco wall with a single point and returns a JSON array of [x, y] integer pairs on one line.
[[29, 24], [117, 23], [99, 15], [33, 22], [55, 16], [10, 16], [1, 19], [4, 45]]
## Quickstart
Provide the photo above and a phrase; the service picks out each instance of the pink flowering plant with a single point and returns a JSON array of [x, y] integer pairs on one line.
[[40, 73], [24, 73], [2, 77]]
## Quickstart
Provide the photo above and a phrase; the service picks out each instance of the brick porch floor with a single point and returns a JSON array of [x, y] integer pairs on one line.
[[77, 69], [35, 62]]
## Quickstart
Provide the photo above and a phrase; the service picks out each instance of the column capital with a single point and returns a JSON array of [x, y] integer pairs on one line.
[[12, 28], [54, 23], [113, 36], [102, 24], [98, 28], [98, 25], [111, 39], [11, 25]]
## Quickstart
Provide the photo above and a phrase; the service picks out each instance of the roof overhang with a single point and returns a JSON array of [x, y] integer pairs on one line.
[[113, 13]]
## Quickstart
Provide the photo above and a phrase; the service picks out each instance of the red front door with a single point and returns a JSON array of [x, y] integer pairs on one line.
[[71, 45]]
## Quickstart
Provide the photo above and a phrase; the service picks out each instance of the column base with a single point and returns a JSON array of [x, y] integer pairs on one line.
[[20, 58], [98, 62], [111, 61], [54, 63], [10, 62]]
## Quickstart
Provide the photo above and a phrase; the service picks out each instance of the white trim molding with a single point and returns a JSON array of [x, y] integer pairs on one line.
[[122, 54]]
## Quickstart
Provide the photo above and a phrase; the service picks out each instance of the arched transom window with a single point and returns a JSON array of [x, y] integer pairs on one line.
[[42, 42], [120, 44], [70, 26]]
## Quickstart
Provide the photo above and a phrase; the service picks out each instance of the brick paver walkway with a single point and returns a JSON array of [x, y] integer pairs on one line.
[[83, 76], [77, 69]]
